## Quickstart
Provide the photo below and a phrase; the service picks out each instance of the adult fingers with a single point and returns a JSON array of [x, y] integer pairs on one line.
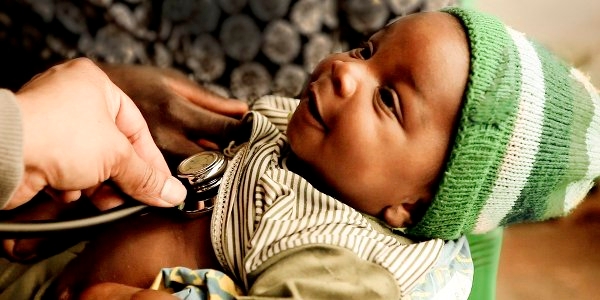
[[63, 196], [204, 98], [215, 128], [106, 197], [176, 145], [200, 123], [31, 184], [148, 184]]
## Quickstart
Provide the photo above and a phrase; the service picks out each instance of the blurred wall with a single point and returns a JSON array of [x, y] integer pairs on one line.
[[570, 28]]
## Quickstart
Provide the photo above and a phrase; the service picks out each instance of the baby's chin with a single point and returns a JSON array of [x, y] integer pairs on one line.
[[292, 131], [306, 170]]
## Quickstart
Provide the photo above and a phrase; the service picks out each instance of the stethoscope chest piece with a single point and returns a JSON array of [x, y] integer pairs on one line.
[[201, 173]]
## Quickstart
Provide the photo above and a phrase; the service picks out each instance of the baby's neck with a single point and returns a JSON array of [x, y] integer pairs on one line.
[[296, 165]]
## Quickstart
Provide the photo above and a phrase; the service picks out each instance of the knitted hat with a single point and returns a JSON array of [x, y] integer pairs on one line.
[[527, 147]]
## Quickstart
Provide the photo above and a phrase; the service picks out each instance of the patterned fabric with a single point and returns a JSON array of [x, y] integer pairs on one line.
[[189, 284], [527, 145], [264, 209], [450, 278]]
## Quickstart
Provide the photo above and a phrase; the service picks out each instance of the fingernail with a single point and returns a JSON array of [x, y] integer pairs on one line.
[[173, 191]]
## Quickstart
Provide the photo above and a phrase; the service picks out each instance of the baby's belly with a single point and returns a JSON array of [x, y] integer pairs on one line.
[[133, 251]]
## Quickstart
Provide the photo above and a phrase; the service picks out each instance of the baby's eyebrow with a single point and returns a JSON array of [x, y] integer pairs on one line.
[[381, 32]]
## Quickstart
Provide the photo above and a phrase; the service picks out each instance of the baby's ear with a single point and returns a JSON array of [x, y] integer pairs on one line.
[[397, 216]]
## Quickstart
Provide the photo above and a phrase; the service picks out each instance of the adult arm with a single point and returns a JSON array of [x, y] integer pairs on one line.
[[179, 113], [11, 147]]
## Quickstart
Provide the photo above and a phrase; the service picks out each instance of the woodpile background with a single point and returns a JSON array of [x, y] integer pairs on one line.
[[239, 48]]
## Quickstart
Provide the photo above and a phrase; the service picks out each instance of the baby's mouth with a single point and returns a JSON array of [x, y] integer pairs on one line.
[[314, 108]]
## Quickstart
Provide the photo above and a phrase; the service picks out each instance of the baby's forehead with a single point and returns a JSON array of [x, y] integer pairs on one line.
[[421, 33], [420, 22]]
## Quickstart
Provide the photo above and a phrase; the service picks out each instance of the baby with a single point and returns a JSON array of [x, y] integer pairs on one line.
[[444, 123]]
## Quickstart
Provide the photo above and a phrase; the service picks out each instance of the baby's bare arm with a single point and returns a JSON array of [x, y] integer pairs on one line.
[[116, 291]]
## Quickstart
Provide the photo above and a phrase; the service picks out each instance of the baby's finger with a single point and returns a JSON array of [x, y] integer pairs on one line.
[[31, 184]]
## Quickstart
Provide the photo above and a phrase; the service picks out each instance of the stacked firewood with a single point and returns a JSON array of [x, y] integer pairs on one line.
[[240, 48]]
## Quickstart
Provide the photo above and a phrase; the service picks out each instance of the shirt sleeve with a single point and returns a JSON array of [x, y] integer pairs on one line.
[[321, 272], [11, 145]]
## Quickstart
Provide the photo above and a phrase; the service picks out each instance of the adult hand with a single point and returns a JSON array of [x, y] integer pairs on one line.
[[179, 112], [81, 130]]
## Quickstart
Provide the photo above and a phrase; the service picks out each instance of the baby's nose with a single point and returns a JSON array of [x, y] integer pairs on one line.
[[344, 81]]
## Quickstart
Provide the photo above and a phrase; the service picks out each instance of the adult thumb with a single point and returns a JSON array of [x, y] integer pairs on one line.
[[148, 184]]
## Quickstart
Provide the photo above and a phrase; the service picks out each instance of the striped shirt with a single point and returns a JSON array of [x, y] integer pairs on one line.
[[264, 209]]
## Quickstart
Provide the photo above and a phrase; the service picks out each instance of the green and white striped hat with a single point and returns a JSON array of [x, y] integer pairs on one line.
[[527, 147]]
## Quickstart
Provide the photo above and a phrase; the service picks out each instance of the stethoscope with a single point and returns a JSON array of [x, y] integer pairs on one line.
[[201, 173]]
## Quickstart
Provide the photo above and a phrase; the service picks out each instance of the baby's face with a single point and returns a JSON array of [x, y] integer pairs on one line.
[[375, 123]]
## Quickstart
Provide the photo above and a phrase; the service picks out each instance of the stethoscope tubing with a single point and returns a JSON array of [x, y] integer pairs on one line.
[[42, 228]]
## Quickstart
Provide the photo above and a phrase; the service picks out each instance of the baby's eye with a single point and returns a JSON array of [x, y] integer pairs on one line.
[[365, 51], [389, 98]]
